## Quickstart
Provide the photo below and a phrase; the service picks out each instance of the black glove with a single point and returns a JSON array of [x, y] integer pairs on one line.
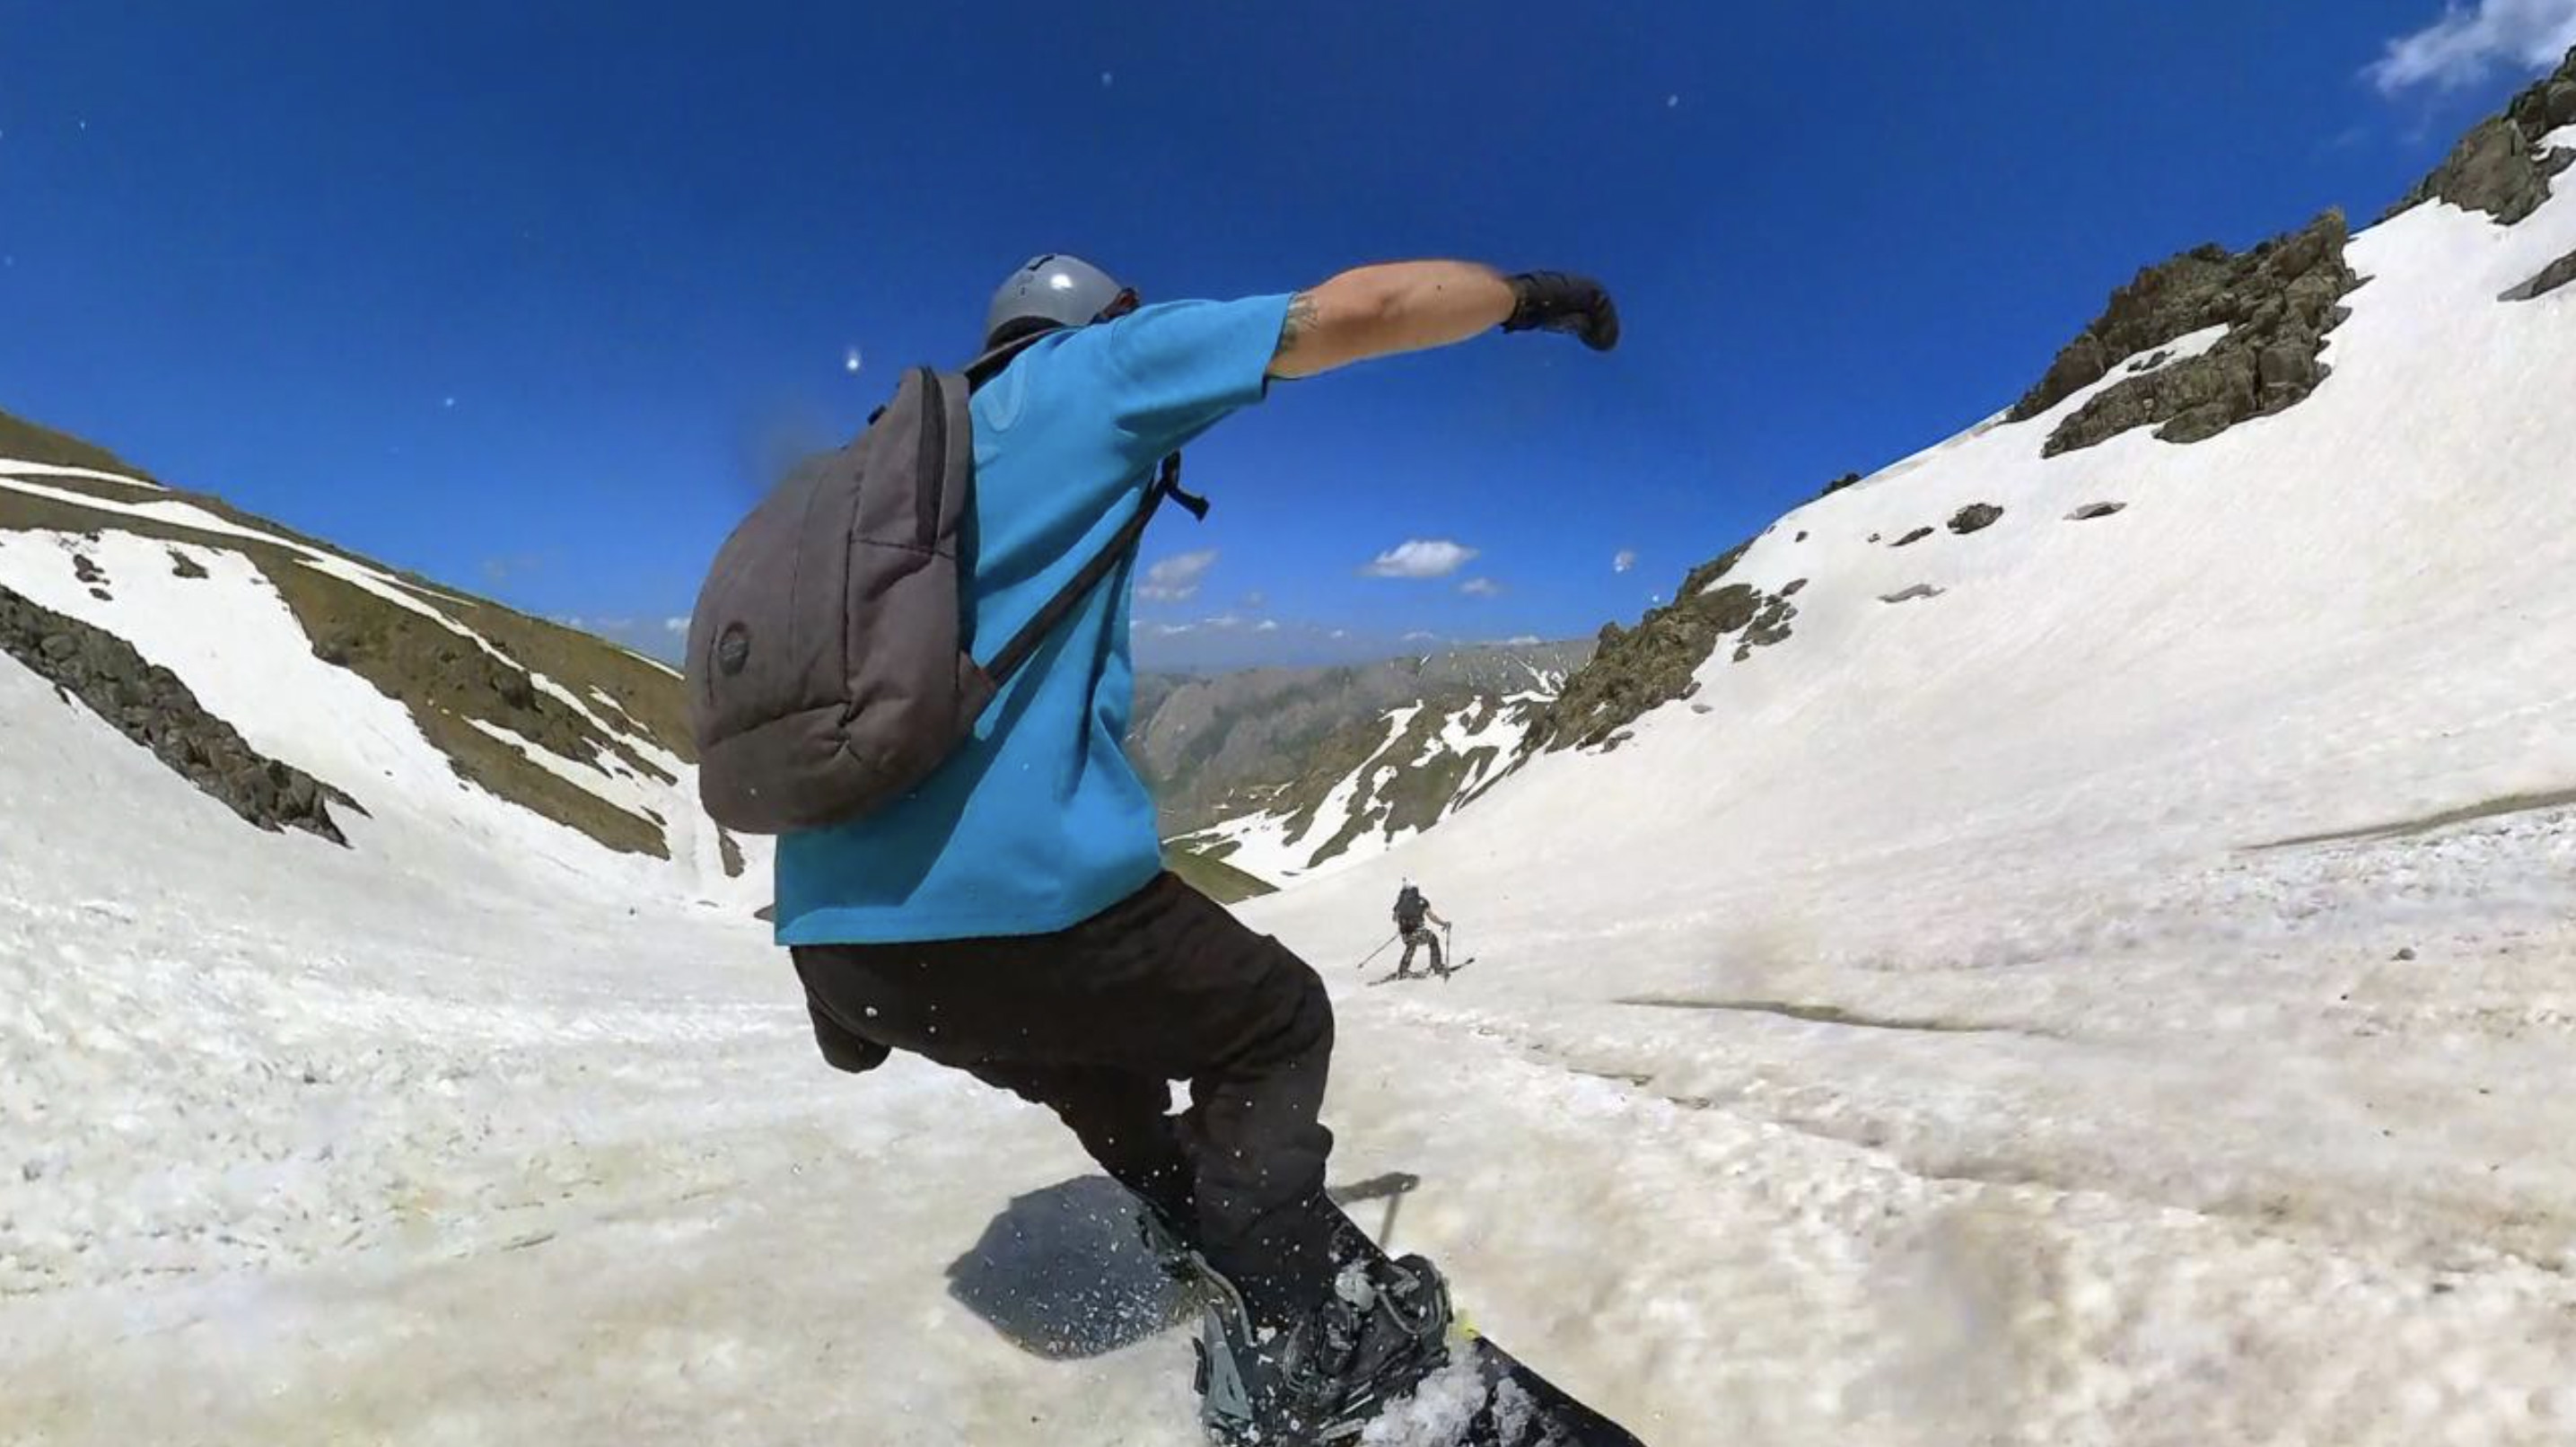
[[1559, 302]]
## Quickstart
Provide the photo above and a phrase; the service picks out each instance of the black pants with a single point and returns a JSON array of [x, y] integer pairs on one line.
[[1093, 1022]]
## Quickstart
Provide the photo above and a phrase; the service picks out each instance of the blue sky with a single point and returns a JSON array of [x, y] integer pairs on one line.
[[535, 301]]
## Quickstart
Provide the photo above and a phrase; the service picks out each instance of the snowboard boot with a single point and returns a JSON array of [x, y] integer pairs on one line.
[[1382, 1328]]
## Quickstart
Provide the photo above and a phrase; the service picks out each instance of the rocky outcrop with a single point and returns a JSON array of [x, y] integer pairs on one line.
[[1636, 670], [1909, 594], [2553, 276], [2091, 510], [1975, 517], [1911, 538], [2277, 302], [2501, 168], [1839, 483], [1222, 745], [148, 704]]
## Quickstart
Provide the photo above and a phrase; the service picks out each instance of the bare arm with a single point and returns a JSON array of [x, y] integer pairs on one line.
[[1379, 311]]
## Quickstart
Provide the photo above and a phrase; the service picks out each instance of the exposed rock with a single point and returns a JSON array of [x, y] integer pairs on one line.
[[1801, 537], [1916, 536], [416, 660], [2553, 276], [183, 566], [2277, 301], [2499, 167], [87, 570], [1222, 745], [730, 853], [1839, 483], [1908, 595], [1635, 670], [1769, 625], [1975, 517], [2159, 304], [2092, 510], [148, 704], [1790, 589]]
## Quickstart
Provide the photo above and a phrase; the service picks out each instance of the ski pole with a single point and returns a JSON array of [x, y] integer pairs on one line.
[[1381, 949]]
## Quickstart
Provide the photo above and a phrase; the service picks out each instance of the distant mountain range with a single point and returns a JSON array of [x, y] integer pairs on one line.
[[1280, 772]]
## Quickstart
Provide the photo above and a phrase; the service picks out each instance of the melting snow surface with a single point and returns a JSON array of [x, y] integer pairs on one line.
[[1917, 1048]]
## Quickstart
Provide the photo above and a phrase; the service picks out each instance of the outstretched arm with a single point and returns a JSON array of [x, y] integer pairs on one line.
[[1411, 306]]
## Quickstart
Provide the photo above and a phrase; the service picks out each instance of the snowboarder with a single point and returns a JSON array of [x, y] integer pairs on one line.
[[1413, 916], [1011, 918]]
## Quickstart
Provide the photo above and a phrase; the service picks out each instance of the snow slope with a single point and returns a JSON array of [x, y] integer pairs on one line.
[[1358, 818], [238, 646], [1913, 1048]]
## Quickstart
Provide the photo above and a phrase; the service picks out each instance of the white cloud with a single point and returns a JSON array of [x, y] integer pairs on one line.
[[675, 625], [1419, 636], [2471, 40], [1480, 587], [1623, 560], [1176, 577], [1526, 640], [1268, 625], [1421, 558]]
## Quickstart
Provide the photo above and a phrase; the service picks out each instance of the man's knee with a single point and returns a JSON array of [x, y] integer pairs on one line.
[[1309, 1007]]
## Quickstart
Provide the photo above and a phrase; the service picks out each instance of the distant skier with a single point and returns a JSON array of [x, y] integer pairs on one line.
[[1413, 916], [1010, 917]]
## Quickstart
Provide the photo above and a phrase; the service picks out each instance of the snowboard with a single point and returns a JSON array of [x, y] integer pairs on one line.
[[1523, 1409], [1482, 1396]]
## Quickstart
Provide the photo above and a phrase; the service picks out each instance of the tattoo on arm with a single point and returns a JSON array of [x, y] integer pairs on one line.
[[1300, 320]]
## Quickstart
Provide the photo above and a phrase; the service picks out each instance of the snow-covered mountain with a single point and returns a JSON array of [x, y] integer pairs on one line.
[[1209, 742], [304, 687], [1279, 773], [2067, 939], [1368, 787]]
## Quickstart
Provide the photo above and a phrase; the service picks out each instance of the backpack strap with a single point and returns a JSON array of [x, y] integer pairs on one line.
[[988, 366], [1034, 632]]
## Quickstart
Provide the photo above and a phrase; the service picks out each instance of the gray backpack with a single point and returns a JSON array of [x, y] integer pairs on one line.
[[831, 665]]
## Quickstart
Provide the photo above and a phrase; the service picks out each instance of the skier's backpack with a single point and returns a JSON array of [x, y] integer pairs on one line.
[[831, 667], [1410, 907]]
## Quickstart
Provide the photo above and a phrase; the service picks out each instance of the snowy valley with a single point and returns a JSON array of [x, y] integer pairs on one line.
[[2068, 939]]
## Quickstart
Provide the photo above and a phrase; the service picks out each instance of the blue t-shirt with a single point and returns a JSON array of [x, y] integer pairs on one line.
[[1038, 822]]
